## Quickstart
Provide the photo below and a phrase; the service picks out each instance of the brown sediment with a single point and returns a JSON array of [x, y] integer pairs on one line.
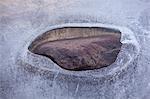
[[81, 52]]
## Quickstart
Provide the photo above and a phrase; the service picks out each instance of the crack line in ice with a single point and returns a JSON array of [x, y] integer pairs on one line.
[[77, 88]]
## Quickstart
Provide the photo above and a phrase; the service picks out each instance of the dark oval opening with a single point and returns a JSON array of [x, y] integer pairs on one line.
[[79, 48]]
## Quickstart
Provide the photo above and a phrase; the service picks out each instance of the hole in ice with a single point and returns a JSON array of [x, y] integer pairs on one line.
[[79, 48]]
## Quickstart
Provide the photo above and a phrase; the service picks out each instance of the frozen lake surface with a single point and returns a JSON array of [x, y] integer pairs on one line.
[[28, 76]]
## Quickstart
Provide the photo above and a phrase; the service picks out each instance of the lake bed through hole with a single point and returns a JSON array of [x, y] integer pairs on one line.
[[79, 48]]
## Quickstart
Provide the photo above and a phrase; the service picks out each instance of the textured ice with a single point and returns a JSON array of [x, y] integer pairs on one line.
[[29, 76]]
